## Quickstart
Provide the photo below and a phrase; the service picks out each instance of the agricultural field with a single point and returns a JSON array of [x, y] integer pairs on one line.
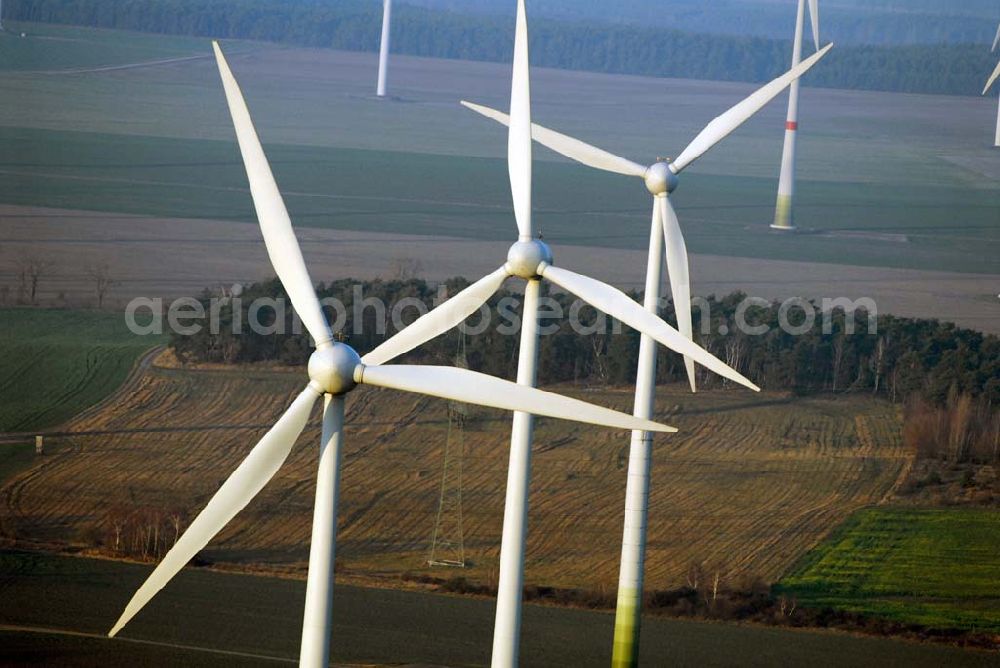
[[58, 608], [934, 567], [886, 180], [749, 485], [55, 363], [54, 48]]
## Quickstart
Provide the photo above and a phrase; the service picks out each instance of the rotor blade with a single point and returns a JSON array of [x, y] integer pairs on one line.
[[440, 320], [282, 246], [477, 388], [993, 77], [519, 136], [617, 304], [996, 40], [573, 149], [814, 17], [243, 485], [680, 279], [722, 126]]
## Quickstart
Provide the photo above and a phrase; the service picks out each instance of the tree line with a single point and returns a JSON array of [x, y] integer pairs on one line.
[[958, 69], [902, 359]]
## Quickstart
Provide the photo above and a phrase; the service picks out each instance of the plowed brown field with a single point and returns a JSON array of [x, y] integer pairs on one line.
[[748, 485]]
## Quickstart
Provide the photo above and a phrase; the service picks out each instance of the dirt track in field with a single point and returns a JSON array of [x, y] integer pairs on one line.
[[174, 257]]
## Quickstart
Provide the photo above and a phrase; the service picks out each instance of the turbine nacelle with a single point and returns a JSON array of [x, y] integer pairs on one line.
[[527, 259], [335, 369], [660, 179]]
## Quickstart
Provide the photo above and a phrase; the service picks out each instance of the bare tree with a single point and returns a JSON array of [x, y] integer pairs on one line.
[[406, 268], [694, 574], [100, 274], [31, 271]]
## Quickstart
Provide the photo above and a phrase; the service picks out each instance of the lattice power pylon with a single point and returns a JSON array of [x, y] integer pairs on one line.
[[448, 544]]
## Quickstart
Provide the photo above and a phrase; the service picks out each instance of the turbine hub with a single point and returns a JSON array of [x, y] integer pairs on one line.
[[332, 369], [525, 259], [660, 180]]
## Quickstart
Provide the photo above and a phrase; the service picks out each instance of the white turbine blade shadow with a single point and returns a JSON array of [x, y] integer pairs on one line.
[[722, 126], [573, 149], [440, 320], [680, 278], [239, 489], [482, 390], [275, 225], [617, 304], [519, 136]]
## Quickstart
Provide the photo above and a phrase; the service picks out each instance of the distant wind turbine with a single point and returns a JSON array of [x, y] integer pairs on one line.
[[989, 84], [661, 179], [784, 216], [383, 52], [334, 370]]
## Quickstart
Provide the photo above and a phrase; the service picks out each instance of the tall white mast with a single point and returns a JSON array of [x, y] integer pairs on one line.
[[628, 610], [784, 218], [383, 54]]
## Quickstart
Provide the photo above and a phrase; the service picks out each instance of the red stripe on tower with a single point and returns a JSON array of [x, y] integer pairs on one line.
[[791, 125]]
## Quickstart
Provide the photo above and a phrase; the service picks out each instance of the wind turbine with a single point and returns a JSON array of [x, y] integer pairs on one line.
[[531, 259], [783, 212], [334, 370], [661, 179], [989, 84], [383, 52]]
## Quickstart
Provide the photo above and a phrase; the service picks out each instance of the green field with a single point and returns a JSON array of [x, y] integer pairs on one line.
[[256, 615], [158, 140], [54, 363], [55, 47], [938, 568], [468, 197]]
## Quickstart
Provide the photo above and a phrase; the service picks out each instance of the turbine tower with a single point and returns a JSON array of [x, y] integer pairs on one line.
[[989, 84], [661, 179], [784, 217], [334, 370], [383, 51]]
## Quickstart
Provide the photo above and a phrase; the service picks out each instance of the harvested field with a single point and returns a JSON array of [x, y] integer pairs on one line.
[[750, 483], [150, 256]]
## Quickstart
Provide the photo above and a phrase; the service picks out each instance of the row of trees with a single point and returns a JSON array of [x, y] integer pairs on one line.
[[964, 430], [140, 532], [601, 47], [33, 271], [835, 351], [845, 22]]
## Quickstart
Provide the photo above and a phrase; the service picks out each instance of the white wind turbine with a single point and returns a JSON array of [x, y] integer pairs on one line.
[[531, 259], [990, 82], [784, 217], [334, 370], [661, 179], [383, 51]]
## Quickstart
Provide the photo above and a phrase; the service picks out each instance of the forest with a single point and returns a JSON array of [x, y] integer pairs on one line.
[[901, 359], [593, 45]]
